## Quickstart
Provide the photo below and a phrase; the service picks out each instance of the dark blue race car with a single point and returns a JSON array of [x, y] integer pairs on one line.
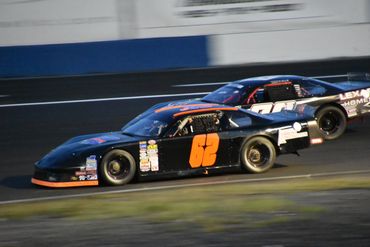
[[177, 139], [333, 103]]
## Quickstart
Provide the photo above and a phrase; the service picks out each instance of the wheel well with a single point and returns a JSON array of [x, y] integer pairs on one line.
[[334, 105]]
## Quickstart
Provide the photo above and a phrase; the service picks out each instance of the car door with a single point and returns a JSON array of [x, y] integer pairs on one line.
[[195, 141]]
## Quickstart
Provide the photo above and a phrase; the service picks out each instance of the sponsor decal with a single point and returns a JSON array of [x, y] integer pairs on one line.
[[92, 172], [265, 108], [367, 105], [354, 100], [289, 134], [151, 142], [149, 156], [89, 172], [80, 173], [92, 177], [100, 139], [144, 165], [364, 93], [142, 146], [91, 163]]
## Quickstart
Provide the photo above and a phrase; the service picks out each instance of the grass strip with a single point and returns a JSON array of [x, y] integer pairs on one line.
[[213, 207]]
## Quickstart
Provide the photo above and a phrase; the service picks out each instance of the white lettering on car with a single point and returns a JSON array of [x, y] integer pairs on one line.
[[265, 108], [355, 94]]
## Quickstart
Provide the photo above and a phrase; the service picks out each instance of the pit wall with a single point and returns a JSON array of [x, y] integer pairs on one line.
[[77, 37]]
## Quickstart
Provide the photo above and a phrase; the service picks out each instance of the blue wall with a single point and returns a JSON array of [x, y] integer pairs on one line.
[[104, 57]]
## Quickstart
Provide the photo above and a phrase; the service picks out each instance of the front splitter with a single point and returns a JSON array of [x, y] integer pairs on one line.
[[64, 184]]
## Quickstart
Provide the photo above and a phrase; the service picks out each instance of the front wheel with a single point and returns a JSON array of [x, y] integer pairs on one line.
[[258, 155], [332, 122], [117, 167]]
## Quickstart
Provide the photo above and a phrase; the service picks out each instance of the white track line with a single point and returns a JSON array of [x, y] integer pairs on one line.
[[166, 187], [223, 83], [201, 84], [136, 97], [104, 99]]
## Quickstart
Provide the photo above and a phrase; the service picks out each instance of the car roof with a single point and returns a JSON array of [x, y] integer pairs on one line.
[[264, 79], [171, 110], [176, 110]]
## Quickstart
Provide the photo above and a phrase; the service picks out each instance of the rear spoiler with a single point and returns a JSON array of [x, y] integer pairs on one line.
[[358, 76]]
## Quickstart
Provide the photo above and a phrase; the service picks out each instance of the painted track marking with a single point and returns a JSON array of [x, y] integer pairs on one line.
[[104, 99], [166, 187], [137, 97]]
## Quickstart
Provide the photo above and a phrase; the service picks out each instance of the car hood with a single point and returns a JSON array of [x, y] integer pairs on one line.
[[74, 152]]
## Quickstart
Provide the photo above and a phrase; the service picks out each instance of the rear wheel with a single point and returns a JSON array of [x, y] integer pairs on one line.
[[258, 155], [117, 167], [332, 122]]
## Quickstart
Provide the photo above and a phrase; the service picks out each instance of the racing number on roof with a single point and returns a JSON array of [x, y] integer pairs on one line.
[[204, 150]]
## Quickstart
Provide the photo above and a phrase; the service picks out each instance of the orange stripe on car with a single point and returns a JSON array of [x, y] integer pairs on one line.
[[64, 184], [167, 108], [206, 110], [279, 84]]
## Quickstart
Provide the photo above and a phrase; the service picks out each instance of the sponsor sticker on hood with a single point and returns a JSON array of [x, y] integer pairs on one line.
[[100, 139]]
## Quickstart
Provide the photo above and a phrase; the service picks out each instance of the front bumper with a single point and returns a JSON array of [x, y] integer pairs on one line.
[[63, 184], [64, 178]]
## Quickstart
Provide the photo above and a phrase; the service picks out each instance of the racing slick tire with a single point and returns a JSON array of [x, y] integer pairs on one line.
[[257, 155], [117, 167], [332, 122]]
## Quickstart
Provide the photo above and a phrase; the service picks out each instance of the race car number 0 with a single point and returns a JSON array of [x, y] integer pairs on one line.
[[204, 150]]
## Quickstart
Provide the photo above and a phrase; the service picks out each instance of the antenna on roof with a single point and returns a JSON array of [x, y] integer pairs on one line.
[[358, 76]]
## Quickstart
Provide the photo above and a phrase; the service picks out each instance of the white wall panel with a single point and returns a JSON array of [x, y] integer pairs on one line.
[[56, 21], [161, 18], [291, 45]]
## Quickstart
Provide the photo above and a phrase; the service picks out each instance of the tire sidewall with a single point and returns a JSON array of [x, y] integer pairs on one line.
[[246, 165], [103, 168], [342, 126]]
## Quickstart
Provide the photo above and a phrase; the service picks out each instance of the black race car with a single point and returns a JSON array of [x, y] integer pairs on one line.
[[177, 139], [334, 103]]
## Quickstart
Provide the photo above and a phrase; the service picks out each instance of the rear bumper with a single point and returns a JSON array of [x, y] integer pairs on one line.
[[314, 133]]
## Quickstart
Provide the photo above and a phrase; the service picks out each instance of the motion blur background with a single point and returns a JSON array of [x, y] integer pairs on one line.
[[77, 37]]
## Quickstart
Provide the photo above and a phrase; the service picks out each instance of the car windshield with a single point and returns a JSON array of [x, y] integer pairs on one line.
[[230, 94], [148, 126]]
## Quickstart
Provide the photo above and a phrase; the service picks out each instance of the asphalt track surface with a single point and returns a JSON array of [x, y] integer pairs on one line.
[[27, 132]]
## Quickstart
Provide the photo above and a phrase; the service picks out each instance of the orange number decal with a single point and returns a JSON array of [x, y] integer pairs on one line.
[[204, 150], [197, 151], [209, 157]]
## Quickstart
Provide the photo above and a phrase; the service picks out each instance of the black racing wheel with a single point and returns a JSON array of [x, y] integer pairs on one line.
[[117, 167], [257, 155], [332, 122]]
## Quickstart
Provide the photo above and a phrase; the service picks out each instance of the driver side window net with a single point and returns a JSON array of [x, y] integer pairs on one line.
[[273, 92], [309, 89], [284, 91], [197, 124]]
